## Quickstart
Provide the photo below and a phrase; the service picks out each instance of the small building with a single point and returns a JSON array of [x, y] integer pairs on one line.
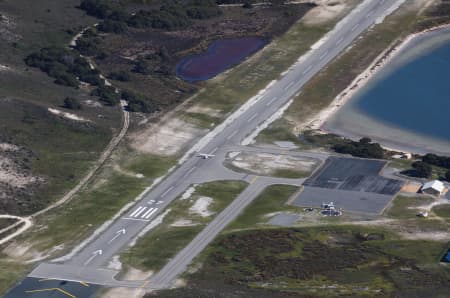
[[435, 188]]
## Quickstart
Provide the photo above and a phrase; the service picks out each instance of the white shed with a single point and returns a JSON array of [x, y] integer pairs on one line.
[[434, 187]]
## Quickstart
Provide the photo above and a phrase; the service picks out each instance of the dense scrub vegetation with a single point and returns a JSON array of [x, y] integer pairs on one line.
[[363, 148], [317, 262], [172, 15], [65, 66], [439, 161]]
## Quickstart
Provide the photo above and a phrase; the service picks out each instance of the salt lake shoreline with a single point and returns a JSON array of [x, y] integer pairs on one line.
[[318, 121]]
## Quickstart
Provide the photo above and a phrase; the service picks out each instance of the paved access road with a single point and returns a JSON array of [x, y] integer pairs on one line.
[[88, 264]]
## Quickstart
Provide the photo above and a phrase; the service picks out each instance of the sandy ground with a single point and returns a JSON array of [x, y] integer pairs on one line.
[[10, 173], [66, 115], [325, 11], [132, 274], [166, 138], [268, 164], [201, 206], [204, 110], [411, 187]]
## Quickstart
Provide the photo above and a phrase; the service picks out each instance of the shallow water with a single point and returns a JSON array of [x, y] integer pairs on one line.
[[220, 55], [407, 104]]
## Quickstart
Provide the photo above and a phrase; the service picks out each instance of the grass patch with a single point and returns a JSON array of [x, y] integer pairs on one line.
[[201, 120], [288, 173], [104, 196], [152, 251], [406, 207], [225, 93], [10, 273], [272, 199], [442, 211]]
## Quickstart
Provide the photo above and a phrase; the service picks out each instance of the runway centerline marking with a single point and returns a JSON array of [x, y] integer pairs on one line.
[[214, 150], [252, 117], [271, 101], [289, 85], [323, 55], [190, 171], [307, 69], [339, 41], [354, 27], [167, 191], [232, 135]]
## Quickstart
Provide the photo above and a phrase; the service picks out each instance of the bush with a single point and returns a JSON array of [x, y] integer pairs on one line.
[[364, 148], [63, 65], [122, 76], [111, 26], [143, 67], [447, 176], [107, 94], [72, 103], [101, 9], [436, 160], [138, 103], [422, 169]]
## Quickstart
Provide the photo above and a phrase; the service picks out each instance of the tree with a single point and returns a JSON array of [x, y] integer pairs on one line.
[[142, 67], [422, 169], [447, 176], [248, 4], [72, 103]]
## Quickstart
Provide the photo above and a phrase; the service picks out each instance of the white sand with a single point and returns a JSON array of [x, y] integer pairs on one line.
[[201, 206], [66, 115]]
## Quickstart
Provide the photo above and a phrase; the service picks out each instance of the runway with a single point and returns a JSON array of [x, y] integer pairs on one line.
[[88, 264]]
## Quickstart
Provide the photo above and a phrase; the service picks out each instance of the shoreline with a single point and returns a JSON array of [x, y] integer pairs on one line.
[[317, 121]]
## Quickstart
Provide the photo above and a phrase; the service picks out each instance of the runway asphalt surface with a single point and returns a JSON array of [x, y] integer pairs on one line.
[[88, 264]]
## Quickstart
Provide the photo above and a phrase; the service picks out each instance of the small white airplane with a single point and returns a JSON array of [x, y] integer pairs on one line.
[[205, 156]]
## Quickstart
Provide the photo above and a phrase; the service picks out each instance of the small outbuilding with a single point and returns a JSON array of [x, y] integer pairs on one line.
[[435, 188]]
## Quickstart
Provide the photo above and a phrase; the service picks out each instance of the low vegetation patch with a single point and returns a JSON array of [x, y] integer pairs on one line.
[[320, 262], [181, 225]]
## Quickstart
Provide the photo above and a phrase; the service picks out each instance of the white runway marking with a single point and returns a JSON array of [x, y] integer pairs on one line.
[[339, 41], [167, 191], [139, 209], [232, 135], [288, 85], [252, 117], [149, 213], [323, 55], [271, 101], [354, 27], [188, 172], [307, 69], [214, 150]]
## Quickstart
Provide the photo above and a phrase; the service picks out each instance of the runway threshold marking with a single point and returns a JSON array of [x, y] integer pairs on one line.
[[52, 289]]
